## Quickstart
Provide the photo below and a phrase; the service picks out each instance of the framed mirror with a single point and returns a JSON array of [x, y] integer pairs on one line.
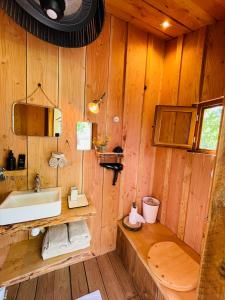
[[35, 120]]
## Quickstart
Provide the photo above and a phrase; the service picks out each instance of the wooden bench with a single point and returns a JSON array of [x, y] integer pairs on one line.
[[133, 247]]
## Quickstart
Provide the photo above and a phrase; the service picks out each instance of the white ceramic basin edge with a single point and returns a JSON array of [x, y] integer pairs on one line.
[[23, 206]]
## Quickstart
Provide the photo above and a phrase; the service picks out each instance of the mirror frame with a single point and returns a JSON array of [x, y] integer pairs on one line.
[[22, 102]]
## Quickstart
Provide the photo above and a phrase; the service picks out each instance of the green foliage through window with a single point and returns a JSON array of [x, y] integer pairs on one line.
[[210, 128]]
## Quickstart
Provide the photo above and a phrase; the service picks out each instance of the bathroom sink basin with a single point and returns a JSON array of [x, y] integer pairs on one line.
[[27, 206]]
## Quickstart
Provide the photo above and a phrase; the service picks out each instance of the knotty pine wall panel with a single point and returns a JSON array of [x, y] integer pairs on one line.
[[42, 67], [190, 67], [168, 96], [12, 86], [153, 78], [97, 72], [71, 98], [115, 106], [137, 71], [137, 43], [114, 63], [182, 181], [213, 84]]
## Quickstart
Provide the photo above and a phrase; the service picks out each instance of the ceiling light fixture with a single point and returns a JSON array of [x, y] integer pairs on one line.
[[65, 23], [94, 106], [165, 24], [54, 9]]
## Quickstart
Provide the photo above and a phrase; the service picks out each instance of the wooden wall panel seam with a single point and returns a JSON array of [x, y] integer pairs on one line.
[[137, 46], [181, 47], [204, 57], [106, 131], [168, 152], [138, 201], [84, 116], [120, 209], [114, 107]]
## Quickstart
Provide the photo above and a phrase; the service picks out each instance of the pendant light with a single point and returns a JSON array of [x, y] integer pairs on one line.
[[54, 9], [66, 23]]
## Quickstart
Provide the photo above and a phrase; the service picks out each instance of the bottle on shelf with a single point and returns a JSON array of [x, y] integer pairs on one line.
[[11, 162]]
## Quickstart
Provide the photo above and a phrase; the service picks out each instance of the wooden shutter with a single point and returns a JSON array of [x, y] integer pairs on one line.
[[174, 126]]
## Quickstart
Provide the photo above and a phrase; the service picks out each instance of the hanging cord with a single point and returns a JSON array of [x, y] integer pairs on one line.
[[39, 87]]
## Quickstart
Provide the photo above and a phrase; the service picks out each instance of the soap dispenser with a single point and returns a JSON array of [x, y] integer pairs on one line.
[[134, 216], [11, 162]]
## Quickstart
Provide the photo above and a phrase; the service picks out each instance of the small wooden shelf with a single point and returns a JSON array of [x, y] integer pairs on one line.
[[113, 154], [67, 215], [24, 261], [16, 173]]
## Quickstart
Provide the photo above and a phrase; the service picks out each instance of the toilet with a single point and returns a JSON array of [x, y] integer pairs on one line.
[[173, 267]]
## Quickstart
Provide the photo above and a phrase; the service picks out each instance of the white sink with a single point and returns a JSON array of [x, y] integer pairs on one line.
[[27, 206]]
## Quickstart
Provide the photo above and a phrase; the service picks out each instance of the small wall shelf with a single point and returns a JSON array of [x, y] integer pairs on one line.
[[107, 154], [16, 173], [67, 215], [23, 261]]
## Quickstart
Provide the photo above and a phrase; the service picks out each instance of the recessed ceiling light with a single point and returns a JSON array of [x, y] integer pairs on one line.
[[165, 24]]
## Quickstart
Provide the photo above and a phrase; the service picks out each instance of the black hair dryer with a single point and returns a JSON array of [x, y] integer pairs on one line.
[[116, 167]]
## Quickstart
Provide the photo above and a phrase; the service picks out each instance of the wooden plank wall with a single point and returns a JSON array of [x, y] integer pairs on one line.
[[193, 72], [145, 56], [138, 71], [212, 272], [115, 63]]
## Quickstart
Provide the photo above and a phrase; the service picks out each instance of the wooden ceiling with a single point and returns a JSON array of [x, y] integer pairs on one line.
[[183, 15]]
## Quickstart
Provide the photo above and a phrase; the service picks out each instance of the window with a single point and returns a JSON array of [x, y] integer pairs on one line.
[[193, 127], [208, 125]]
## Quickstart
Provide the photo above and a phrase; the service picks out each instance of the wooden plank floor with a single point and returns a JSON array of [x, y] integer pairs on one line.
[[105, 273]]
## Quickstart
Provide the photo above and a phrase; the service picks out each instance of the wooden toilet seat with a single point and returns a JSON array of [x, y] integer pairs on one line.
[[173, 267]]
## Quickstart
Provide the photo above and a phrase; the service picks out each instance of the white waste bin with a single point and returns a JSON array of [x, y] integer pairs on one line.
[[150, 209]]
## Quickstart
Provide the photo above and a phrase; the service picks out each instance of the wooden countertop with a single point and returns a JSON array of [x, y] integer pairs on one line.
[[67, 215], [141, 242]]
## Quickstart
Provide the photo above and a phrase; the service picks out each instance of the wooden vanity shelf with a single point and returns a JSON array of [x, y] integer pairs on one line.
[[16, 173], [67, 215], [23, 261]]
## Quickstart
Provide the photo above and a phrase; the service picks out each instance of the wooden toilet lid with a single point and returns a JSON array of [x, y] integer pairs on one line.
[[173, 267]]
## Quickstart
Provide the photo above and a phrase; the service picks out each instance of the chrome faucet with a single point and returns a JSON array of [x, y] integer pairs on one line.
[[2, 175], [37, 183]]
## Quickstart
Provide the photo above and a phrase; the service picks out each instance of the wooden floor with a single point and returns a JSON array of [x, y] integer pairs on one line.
[[106, 273]]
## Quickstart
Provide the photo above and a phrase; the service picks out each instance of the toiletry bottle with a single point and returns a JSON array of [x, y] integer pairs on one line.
[[11, 162], [21, 161]]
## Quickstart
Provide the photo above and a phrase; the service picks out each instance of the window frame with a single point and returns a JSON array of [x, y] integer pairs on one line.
[[198, 129]]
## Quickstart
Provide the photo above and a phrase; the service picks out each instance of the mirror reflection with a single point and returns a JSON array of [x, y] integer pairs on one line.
[[34, 120]]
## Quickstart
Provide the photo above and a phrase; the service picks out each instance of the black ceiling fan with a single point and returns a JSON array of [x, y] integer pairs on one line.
[[66, 23]]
